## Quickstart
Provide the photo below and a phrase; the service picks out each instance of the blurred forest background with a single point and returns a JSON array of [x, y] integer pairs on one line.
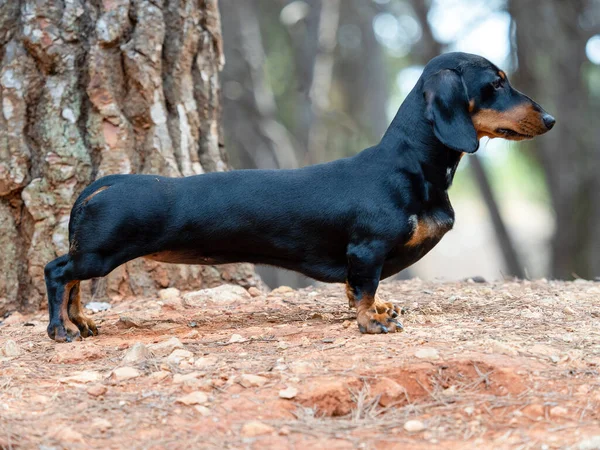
[[309, 81]]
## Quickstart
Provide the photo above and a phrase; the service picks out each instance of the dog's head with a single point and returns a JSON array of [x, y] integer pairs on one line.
[[467, 97]]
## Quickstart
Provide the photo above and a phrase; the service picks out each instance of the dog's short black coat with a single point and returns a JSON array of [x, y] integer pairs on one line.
[[356, 220]]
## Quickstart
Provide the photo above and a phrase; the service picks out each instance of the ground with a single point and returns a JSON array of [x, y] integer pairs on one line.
[[479, 365]]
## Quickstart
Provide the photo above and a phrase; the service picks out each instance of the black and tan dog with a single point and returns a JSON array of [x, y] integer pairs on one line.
[[356, 220]]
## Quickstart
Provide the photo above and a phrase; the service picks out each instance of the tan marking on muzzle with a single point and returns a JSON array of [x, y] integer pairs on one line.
[[522, 119]]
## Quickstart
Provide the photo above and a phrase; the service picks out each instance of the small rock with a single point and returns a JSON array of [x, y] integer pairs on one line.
[[503, 348], [14, 318], [143, 320], [249, 380], [389, 392], [414, 426], [86, 376], [96, 390], [188, 378], [179, 355], [136, 354], [205, 362], [98, 306], [159, 376], [235, 338], [570, 311], [282, 345], [169, 293], [203, 410], [224, 294], [346, 323], [254, 292], [164, 348], [39, 399], [125, 373], [281, 290], [255, 428], [284, 431], [329, 397], [11, 349], [193, 398], [559, 411], [288, 393], [66, 434], [427, 353], [101, 424], [469, 410]]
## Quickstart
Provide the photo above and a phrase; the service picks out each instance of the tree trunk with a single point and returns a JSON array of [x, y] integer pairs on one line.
[[90, 88], [556, 75]]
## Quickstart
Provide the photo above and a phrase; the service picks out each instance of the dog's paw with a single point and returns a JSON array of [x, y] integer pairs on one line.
[[64, 331], [373, 322]]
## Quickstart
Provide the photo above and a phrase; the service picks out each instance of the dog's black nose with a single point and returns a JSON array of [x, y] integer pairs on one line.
[[549, 121]]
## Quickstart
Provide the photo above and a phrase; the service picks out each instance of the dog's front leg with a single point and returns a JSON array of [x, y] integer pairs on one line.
[[365, 262]]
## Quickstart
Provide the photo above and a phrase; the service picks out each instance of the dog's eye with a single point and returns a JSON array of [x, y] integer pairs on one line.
[[497, 84]]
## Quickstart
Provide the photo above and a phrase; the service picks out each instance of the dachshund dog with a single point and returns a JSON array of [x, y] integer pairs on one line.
[[355, 220]]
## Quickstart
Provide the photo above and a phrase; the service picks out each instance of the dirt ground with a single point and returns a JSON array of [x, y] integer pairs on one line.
[[479, 365]]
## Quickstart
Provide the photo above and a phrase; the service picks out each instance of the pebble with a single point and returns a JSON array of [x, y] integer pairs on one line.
[[427, 353], [187, 378], [164, 348], [559, 411], [125, 373], [179, 355], [169, 293], [288, 393], [569, 310], [203, 410], [414, 426], [66, 434], [256, 428], [224, 294], [205, 362], [281, 290], [193, 398], [254, 291], [159, 376], [101, 424], [14, 318], [86, 376], [137, 354], [11, 349], [389, 391], [235, 338], [96, 390], [249, 380], [98, 306]]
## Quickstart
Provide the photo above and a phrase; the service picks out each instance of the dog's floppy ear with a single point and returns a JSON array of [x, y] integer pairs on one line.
[[448, 111]]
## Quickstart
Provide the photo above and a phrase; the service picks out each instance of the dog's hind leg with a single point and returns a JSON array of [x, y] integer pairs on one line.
[[59, 281]]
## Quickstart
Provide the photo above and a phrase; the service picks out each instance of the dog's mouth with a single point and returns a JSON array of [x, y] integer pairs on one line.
[[512, 135]]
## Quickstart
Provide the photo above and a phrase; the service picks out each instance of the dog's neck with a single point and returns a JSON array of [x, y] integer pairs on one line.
[[411, 135]]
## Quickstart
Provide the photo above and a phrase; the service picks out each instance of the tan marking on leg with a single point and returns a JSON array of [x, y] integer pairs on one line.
[[86, 326], [351, 297], [70, 327]]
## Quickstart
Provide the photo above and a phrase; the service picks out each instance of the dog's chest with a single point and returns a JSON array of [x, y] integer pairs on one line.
[[429, 227]]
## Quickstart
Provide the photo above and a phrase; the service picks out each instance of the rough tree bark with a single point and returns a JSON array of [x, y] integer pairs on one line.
[[90, 88]]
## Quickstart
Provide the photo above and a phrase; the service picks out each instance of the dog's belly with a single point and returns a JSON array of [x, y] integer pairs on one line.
[[427, 230]]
